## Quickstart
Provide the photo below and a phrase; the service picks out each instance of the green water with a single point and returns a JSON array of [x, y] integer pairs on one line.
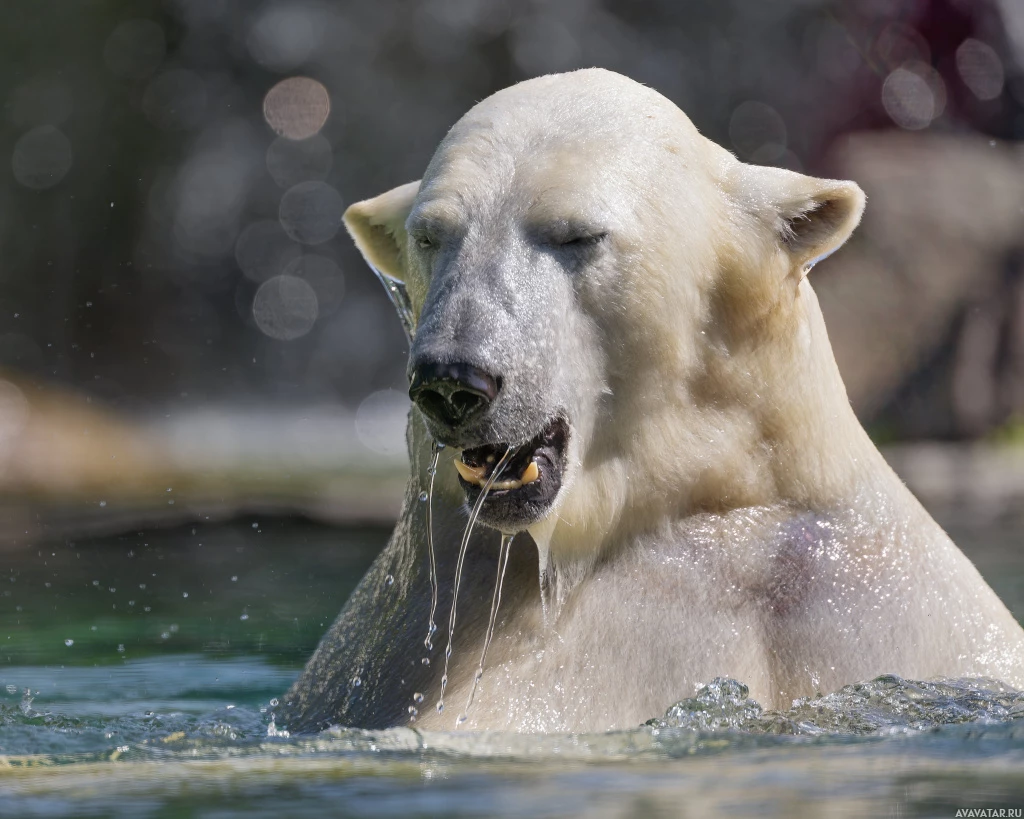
[[180, 640]]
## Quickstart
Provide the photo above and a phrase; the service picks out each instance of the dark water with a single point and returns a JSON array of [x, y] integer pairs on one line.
[[180, 639]]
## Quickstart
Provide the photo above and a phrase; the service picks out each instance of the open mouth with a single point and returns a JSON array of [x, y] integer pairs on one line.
[[526, 486]]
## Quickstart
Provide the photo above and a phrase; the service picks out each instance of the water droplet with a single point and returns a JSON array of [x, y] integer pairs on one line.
[[440, 707], [425, 661], [184, 594], [423, 497], [69, 643], [431, 470], [389, 579], [412, 710], [356, 682], [461, 719], [244, 617], [120, 648], [444, 681], [427, 642], [274, 703], [417, 697], [439, 445]]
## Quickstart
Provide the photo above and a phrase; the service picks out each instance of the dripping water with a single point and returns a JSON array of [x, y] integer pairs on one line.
[[432, 472], [545, 570], [495, 474], [400, 300], [503, 552]]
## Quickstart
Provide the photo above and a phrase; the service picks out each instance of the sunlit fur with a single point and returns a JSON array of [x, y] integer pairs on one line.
[[723, 513]]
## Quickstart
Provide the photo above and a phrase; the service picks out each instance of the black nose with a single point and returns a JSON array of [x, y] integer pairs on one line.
[[452, 394]]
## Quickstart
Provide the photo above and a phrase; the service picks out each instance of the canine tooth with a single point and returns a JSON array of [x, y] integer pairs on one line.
[[470, 474], [530, 474]]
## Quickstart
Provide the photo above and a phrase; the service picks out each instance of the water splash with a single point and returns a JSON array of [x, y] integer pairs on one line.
[[503, 552], [495, 474], [882, 706]]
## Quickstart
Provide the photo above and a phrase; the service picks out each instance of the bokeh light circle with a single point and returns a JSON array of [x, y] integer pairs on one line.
[[310, 212], [297, 108], [913, 96], [41, 158], [285, 308], [380, 422], [980, 68], [282, 36]]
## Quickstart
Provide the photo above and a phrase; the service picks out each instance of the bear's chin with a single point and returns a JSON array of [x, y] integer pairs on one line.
[[514, 509]]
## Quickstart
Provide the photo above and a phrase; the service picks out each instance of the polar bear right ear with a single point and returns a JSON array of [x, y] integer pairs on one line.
[[811, 218], [377, 226]]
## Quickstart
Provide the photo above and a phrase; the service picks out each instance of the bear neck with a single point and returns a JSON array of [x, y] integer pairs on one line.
[[760, 419]]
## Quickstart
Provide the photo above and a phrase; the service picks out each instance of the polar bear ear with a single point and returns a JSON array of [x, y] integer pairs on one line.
[[810, 217], [377, 226]]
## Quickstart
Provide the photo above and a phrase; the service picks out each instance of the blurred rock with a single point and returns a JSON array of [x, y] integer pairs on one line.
[[67, 464], [925, 307]]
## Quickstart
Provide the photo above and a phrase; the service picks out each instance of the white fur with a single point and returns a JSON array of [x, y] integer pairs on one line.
[[724, 513]]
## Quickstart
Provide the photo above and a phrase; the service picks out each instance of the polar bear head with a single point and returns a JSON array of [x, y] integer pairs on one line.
[[618, 302]]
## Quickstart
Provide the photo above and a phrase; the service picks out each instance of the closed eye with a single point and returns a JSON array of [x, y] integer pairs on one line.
[[585, 240]]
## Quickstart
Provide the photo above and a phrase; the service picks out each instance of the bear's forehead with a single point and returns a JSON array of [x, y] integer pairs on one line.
[[581, 180]]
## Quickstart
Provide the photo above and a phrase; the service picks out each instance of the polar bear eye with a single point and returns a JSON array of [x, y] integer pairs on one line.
[[585, 240], [424, 243]]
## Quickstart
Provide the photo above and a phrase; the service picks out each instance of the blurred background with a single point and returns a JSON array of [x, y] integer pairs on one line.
[[187, 335]]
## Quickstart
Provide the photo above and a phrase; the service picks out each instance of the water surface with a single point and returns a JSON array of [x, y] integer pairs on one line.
[[139, 671]]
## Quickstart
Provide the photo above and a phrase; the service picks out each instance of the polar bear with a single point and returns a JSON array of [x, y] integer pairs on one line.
[[616, 312]]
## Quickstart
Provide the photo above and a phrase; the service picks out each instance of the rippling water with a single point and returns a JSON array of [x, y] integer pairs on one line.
[[134, 719]]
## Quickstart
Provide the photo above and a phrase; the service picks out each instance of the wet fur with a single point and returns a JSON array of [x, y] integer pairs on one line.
[[724, 513]]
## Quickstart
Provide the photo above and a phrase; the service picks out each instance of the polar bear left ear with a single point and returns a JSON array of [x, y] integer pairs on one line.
[[810, 217], [377, 226]]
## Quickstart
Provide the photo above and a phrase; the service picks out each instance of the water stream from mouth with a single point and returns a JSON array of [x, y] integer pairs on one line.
[[432, 472], [495, 474], [503, 553]]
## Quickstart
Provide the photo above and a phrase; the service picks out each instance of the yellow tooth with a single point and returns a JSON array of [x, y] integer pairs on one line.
[[470, 474], [506, 484], [530, 474]]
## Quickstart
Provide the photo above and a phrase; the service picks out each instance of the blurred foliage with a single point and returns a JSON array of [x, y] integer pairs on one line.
[[129, 272]]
